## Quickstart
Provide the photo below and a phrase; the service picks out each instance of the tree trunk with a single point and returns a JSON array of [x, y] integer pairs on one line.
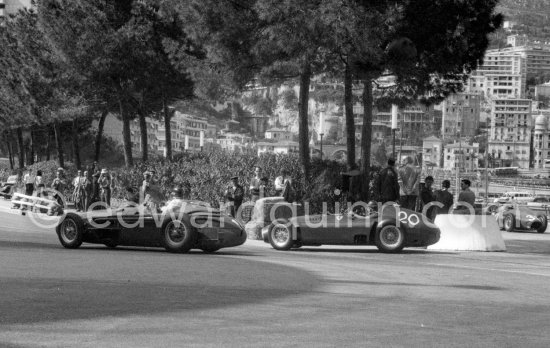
[[350, 123], [20, 147], [167, 130], [303, 128], [7, 137], [59, 144], [99, 135], [366, 137], [48, 139], [143, 134], [30, 158], [76, 147], [126, 138]]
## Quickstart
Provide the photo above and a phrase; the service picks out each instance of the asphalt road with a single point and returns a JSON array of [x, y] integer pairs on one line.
[[255, 296]]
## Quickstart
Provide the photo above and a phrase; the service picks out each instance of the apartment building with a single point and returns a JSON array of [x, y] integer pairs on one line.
[[461, 155], [502, 75], [510, 135], [461, 113]]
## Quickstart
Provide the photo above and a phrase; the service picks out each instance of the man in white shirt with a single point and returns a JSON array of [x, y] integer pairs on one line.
[[281, 181], [28, 179]]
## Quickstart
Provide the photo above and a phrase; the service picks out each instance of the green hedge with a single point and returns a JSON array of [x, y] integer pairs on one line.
[[209, 175]]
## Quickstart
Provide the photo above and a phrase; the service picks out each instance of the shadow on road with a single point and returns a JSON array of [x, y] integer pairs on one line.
[[82, 286], [455, 286]]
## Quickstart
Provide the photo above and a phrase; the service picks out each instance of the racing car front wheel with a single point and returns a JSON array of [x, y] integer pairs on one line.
[[179, 236], [71, 231], [390, 239], [509, 222], [544, 225], [280, 237]]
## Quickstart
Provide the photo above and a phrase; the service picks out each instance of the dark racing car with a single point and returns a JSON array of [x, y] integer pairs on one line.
[[180, 228], [391, 230], [514, 216]]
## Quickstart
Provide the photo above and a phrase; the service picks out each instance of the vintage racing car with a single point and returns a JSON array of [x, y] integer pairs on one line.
[[513, 216], [391, 230], [7, 188], [185, 226]]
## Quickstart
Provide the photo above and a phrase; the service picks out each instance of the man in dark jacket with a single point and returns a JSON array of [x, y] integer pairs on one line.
[[444, 197], [234, 194], [387, 186], [427, 196]]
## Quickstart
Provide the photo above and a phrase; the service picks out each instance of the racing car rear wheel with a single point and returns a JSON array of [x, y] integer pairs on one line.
[[544, 225], [280, 237], [390, 239], [179, 236], [509, 222], [71, 231]]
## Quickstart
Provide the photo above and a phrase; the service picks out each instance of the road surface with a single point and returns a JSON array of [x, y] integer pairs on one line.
[[255, 296]]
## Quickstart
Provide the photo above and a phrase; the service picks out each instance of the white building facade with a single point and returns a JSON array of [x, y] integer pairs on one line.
[[461, 155], [510, 136]]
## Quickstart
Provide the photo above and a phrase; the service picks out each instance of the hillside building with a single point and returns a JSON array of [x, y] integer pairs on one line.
[[460, 115], [461, 155], [432, 152], [502, 75], [510, 136]]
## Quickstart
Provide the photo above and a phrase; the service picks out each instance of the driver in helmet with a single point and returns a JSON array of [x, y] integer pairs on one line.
[[180, 194]]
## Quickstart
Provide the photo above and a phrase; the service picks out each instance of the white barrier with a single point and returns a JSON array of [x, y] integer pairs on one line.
[[468, 233], [32, 202]]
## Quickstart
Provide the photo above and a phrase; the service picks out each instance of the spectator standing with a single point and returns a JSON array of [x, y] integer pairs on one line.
[[28, 179], [58, 185], [264, 189], [234, 194], [410, 179], [255, 183], [88, 190], [280, 182], [466, 198], [105, 187], [444, 197], [78, 191], [387, 185], [427, 196], [95, 187], [39, 183]]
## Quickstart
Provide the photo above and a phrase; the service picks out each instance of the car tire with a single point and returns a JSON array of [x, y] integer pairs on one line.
[[178, 236], [390, 239], [71, 231], [544, 220], [509, 222], [280, 236]]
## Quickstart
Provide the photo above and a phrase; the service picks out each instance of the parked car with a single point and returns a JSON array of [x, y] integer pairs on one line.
[[391, 230], [517, 196], [7, 188], [513, 216], [540, 203], [183, 227]]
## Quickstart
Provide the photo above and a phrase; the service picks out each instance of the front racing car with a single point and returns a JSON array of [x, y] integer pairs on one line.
[[513, 216], [391, 230]]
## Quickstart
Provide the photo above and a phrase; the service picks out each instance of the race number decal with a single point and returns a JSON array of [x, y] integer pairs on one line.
[[530, 217], [412, 219]]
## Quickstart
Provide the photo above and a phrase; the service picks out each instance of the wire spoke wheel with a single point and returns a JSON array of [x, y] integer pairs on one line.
[[69, 230], [280, 237], [390, 239], [175, 232]]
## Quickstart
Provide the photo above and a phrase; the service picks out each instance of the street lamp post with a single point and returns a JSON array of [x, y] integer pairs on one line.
[[393, 127], [321, 136]]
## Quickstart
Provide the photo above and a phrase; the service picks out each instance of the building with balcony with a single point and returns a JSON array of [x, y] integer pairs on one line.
[[432, 152], [503, 74], [278, 134], [460, 115], [510, 134], [461, 155], [541, 141], [284, 147], [235, 142], [535, 54]]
